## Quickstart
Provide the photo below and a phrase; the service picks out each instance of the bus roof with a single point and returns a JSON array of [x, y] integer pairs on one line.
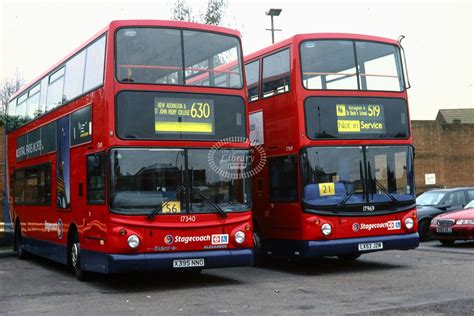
[[313, 36], [128, 23]]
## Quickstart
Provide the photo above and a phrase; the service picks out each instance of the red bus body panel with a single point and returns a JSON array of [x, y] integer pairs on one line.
[[285, 229], [103, 244]]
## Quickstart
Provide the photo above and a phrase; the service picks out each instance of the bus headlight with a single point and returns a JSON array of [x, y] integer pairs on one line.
[[133, 241], [326, 229], [409, 223], [239, 237]]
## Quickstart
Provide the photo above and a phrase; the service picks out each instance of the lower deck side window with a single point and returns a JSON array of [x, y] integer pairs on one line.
[[32, 185]]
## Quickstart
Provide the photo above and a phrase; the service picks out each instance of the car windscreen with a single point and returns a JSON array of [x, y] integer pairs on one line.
[[430, 198]]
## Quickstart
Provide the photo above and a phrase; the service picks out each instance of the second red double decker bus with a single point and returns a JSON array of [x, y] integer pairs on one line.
[[112, 157], [331, 112]]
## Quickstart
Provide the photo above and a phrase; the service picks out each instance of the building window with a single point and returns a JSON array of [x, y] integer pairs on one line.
[[283, 179]]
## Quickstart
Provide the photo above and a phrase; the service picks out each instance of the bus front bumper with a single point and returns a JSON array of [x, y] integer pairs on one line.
[[120, 263], [340, 247]]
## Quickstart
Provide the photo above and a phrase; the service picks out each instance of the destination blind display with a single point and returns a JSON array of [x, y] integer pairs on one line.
[[360, 118], [184, 115], [356, 118]]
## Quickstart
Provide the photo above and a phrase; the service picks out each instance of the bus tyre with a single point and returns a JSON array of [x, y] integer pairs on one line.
[[259, 256], [20, 252], [75, 258], [447, 242], [424, 230], [350, 257]]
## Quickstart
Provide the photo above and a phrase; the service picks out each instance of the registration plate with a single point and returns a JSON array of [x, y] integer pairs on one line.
[[444, 229], [370, 246], [188, 263]]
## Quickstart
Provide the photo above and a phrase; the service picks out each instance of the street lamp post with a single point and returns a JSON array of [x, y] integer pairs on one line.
[[273, 12]]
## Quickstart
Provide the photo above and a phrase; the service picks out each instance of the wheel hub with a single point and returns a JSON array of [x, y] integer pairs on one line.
[[75, 254]]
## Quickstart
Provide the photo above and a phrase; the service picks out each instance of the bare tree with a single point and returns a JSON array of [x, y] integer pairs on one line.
[[181, 11], [214, 14], [7, 88], [215, 11]]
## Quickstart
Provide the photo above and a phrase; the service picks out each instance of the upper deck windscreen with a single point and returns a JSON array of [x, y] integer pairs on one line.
[[178, 57], [350, 65]]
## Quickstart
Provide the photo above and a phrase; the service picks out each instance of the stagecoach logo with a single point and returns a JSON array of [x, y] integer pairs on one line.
[[355, 227], [389, 225], [54, 227], [169, 239], [236, 164]]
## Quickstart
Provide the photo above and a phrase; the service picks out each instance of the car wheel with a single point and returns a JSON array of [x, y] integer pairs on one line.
[[20, 252], [75, 258], [447, 242], [349, 257], [424, 230]]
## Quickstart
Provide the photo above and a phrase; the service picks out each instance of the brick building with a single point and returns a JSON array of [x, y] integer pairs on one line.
[[444, 150]]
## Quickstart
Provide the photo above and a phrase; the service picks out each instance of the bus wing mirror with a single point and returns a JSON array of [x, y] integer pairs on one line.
[[404, 64]]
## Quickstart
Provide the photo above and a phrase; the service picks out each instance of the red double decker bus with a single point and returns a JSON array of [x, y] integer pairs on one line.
[[112, 158], [331, 112]]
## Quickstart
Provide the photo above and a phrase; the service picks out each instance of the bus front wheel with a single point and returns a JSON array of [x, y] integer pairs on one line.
[[259, 256], [75, 258]]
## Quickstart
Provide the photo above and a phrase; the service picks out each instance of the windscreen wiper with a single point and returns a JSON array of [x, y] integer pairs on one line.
[[219, 209], [343, 201], [153, 213], [381, 187]]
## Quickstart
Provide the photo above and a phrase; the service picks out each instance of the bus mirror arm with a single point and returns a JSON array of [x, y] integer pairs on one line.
[[400, 38]]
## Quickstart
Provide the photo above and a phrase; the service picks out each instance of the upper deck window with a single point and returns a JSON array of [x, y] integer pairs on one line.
[[350, 65], [79, 75], [178, 57], [276, 73], [252, 75]]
